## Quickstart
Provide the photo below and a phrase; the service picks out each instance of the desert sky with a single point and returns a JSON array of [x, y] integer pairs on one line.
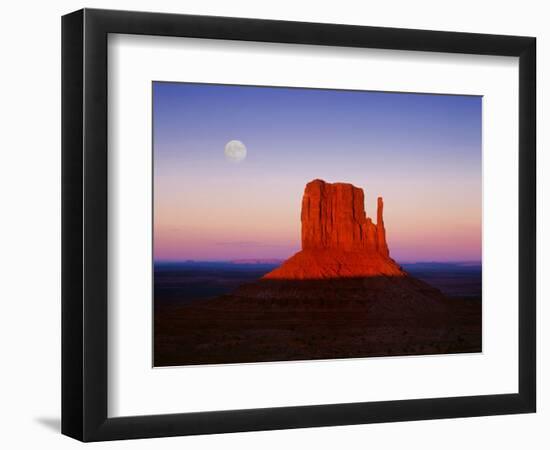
[[420, 152]]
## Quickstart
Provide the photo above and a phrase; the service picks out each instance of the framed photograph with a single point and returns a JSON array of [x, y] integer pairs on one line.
[[273, 225]]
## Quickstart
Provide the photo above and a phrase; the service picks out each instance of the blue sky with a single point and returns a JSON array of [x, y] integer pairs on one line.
[[421, 152]]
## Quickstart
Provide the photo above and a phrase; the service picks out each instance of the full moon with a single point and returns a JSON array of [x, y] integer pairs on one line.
[[235, 151]]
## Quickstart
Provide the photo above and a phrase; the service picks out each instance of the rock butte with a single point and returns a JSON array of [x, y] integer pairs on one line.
[[338, 239]]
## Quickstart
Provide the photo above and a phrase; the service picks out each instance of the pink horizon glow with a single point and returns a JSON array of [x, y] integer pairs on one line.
[[431, 227]]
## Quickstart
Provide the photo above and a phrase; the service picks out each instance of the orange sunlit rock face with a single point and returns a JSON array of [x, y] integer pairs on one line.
[[338, 239]]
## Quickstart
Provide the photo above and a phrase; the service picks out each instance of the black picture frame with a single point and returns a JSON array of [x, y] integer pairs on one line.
[[84, 224]]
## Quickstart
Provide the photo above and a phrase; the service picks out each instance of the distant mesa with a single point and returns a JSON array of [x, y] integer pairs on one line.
[[253, 261], [338, 239]]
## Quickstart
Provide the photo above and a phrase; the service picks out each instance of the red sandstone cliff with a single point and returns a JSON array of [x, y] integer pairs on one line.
[[338, 239]]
